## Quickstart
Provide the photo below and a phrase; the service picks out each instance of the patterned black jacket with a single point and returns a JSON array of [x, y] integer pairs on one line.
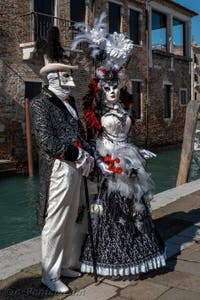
[[56, 133]]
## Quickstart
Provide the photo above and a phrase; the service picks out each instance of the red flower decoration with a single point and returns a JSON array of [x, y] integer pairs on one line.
[[118, 170], [111, 166]]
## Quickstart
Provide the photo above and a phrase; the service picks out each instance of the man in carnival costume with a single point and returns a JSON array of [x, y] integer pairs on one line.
[[63, 159]]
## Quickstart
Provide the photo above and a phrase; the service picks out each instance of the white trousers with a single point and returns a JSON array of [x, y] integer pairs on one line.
[[61, 236]]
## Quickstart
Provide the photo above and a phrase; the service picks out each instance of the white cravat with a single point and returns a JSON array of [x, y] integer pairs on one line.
[[70, 109]]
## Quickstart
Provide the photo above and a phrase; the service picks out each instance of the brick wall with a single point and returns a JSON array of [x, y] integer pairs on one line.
[[13, 71]]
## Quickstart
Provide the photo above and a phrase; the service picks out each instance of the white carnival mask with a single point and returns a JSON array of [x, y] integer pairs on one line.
[[111, 91], [66, 79], [60, 83]]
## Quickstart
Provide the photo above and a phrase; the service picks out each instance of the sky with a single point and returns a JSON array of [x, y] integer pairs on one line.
[[193, 5]]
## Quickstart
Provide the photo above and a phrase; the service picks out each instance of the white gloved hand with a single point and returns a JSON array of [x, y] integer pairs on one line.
[[104, 169], [88, 166], [147, 154], [81, 159], [85, 162]]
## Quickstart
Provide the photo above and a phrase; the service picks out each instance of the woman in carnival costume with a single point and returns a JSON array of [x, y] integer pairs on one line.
[[126, 241]]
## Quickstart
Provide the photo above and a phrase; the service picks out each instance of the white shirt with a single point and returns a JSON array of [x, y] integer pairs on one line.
[[61, 95]]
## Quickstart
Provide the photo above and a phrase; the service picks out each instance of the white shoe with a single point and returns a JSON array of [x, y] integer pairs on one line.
[[56, 285], [70, 273]]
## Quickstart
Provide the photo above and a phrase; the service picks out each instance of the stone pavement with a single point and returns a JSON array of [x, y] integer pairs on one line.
[[179, 225]]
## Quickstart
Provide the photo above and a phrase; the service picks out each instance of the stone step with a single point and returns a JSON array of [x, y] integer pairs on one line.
[[7, 166]]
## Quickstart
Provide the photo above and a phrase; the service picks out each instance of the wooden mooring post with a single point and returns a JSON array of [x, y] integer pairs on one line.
[[188, 141]]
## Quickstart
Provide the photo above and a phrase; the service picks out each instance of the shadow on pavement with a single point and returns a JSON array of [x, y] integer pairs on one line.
[[31, 288], [172, 225]]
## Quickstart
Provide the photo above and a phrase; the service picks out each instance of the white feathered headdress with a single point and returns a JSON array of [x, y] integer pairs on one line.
[[112, 50]]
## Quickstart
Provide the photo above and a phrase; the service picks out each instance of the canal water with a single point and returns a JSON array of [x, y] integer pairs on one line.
[[17, 209], [19, 194]]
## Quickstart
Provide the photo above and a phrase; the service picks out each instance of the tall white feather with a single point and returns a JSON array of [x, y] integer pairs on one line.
[[116, 46]]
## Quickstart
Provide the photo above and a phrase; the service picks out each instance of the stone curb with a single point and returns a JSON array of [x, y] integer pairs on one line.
[[171, 195]]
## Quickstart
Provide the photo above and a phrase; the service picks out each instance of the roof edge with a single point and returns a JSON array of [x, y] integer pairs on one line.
[[192, 12]]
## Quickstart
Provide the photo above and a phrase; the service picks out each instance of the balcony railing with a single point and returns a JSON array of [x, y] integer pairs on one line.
[[34, 26]]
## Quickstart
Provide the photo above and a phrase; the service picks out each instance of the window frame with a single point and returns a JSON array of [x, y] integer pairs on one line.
[[183, 90], [195, 59], [120, 15], [154, 10], [43, 21], [84, 12], [169, 84], [196, 78], [174, 18], [140, 82], [139, 11], [170, 12]]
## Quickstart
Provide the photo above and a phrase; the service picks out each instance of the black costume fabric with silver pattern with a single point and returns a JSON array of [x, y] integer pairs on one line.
[[56, 133], [125, 238]]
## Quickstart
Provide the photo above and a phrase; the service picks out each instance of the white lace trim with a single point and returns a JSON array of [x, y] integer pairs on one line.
[[143, 267]]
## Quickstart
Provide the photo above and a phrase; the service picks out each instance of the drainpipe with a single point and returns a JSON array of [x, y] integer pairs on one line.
[[28, 138]]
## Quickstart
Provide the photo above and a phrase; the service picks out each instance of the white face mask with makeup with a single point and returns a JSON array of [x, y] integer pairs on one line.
[[111, 91], [60, 83]]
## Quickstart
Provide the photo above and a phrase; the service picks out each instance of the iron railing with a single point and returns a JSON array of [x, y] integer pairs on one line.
[[35, 26]]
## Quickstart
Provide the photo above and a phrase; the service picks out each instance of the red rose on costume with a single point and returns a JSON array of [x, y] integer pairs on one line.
[[111, 166]]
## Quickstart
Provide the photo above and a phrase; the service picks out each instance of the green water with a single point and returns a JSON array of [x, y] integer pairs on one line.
[[19, 194], [164, 168], [17, 209]]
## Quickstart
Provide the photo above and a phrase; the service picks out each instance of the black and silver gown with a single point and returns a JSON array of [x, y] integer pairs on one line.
[[126, 241]]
